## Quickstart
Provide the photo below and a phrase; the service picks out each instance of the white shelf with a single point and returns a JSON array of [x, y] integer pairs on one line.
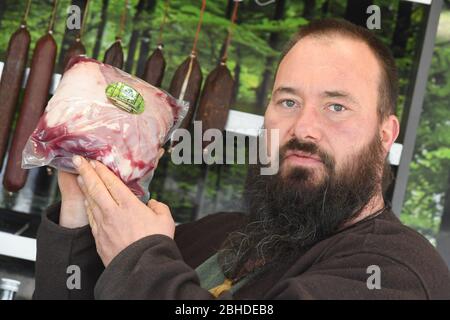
[[15, 246]]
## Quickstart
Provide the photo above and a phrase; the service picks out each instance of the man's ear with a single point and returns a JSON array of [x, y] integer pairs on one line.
[[389, 131]]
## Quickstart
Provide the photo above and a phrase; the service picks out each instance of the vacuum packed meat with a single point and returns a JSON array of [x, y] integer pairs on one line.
[[105, 114]]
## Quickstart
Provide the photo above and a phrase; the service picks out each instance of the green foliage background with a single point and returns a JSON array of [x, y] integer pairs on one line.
[[430, 168]]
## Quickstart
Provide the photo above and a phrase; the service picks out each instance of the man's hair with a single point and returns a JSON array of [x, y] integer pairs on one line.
[[388, 88]]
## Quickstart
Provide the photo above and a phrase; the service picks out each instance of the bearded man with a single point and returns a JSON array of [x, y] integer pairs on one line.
[[319, 228]]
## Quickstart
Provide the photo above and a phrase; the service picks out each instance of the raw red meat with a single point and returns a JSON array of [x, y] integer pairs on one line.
[[80, 119]]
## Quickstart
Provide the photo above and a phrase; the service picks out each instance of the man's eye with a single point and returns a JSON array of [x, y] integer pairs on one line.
[[288, 103], [336, 107]]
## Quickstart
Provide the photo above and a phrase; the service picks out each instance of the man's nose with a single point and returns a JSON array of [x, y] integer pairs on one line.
[[307, 125]]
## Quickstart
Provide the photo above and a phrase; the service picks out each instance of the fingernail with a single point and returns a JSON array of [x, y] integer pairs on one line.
[[76, 161], [92, 162], [80, 181]]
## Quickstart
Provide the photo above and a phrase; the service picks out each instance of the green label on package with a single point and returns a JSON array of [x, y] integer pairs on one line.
[[125, 97]]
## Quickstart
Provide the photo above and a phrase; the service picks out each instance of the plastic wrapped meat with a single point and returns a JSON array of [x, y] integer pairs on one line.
[[105, 114]]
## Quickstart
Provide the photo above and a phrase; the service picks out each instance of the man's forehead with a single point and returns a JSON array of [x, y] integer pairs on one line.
[[336, 63], [333, 43]]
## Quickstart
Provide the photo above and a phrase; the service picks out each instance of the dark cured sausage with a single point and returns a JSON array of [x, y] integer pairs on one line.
[[218, 90], [76, 49], [114, 55], [154, 68], [216, 99], [11, 82], [187, 80], [156, 64], [34, 102], [192, 89]]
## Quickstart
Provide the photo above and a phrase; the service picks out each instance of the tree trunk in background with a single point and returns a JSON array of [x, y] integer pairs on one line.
[[325, 8], [229, 10], [308, 10], [443, 238], [69, 36], [356, 11], [274, 40], [402, 29], [134, 37], [144, 49], [445, 220], [228, 13], [3, 7], [101, 29], [237, 75]]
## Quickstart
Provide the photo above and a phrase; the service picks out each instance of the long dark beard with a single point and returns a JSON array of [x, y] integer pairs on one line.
[[291, 211]]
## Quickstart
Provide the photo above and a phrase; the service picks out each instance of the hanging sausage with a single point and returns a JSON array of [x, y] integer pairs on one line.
[[12, 78], [114, 54], [77, 47], [156, 64], [214, 107], [187, 80], [185, 85], [217, 92], [33, 104]]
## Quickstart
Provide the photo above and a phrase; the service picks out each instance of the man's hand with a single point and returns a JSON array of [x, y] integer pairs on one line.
[[117, 217]]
